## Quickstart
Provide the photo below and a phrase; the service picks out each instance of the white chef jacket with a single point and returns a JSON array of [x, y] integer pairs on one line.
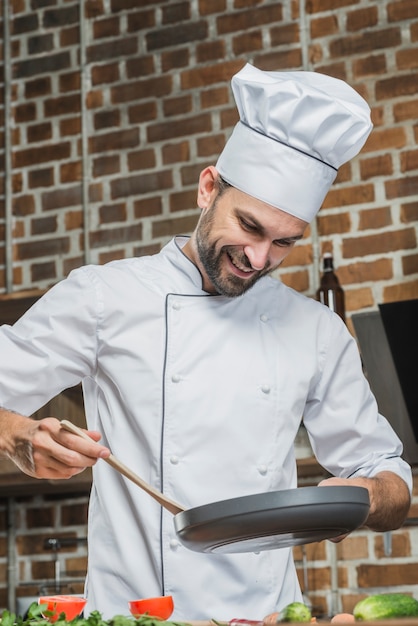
[[202, 396]]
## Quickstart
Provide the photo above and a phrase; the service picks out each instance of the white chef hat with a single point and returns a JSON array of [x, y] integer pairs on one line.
[[295, 130]]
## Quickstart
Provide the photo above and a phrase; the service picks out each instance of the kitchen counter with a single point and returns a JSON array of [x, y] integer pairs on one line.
[[405, 621]]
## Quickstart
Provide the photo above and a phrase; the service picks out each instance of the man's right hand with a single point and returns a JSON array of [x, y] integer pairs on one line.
[[43, 449]]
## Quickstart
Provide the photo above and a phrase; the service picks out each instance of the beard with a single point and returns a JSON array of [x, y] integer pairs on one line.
[[213, 261]]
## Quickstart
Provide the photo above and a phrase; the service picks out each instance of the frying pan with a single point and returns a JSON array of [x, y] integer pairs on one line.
[[262, 521]]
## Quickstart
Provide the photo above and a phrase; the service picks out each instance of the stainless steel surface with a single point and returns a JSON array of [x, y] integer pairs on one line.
[[383, 377]]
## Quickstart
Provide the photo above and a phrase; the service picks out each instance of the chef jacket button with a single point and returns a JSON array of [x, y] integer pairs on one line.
[[263, 470], [265, 388], [174, 460], [264, 317], [176, 306], [176, 378], [174, 544]]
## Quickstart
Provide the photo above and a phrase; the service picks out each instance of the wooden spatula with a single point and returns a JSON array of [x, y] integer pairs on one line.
[[165, 502]]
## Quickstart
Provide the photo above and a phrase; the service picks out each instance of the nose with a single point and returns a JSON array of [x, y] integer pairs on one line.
[[258, 254]]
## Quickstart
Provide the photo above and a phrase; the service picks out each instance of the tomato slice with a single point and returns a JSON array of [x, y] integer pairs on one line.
[[71, 606], [160, 607]]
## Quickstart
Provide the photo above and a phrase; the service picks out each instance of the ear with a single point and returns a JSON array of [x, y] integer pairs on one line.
[[207, 187]]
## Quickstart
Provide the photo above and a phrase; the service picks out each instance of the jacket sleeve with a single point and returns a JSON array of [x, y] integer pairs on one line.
[[348, 435], [51, 347]]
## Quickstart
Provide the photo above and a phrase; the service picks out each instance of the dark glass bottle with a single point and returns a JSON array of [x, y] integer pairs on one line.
[[330, 291]]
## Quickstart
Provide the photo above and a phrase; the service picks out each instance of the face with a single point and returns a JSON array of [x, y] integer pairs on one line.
[[240, 239]]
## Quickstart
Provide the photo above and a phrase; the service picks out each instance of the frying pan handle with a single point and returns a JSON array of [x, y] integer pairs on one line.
[[165, 502]]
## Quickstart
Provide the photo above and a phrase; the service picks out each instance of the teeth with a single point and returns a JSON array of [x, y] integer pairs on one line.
[[238, 265]]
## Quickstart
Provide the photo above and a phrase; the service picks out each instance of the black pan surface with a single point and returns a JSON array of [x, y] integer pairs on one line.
[[277, 519]]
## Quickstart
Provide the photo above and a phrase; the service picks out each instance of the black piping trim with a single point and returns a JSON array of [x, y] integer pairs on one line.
[[386, 458], [162, 445], [163, 420]]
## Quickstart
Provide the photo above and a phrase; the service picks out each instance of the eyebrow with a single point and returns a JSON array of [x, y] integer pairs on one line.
[[257, 224], [292, 238]]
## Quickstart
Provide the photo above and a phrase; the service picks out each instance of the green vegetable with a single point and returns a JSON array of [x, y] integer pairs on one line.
[[35, 618], [386, 606], [295, 612]]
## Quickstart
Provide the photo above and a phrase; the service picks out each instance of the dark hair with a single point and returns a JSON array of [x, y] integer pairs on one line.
[[223, 185]]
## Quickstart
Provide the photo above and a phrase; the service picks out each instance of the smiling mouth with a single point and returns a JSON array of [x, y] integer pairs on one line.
[[244, 269]]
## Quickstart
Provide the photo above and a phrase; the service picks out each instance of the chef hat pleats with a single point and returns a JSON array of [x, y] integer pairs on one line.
[[295, 130]]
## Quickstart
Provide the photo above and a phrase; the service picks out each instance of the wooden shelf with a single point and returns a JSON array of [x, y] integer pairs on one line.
[[14, 483]]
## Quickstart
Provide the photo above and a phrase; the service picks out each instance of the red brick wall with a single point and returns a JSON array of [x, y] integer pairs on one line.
[[108, 131], [28, 558]]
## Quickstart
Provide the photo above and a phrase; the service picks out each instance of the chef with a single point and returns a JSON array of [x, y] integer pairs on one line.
[[197, 367]]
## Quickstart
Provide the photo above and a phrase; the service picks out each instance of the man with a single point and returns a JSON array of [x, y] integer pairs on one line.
[[197, 367]]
